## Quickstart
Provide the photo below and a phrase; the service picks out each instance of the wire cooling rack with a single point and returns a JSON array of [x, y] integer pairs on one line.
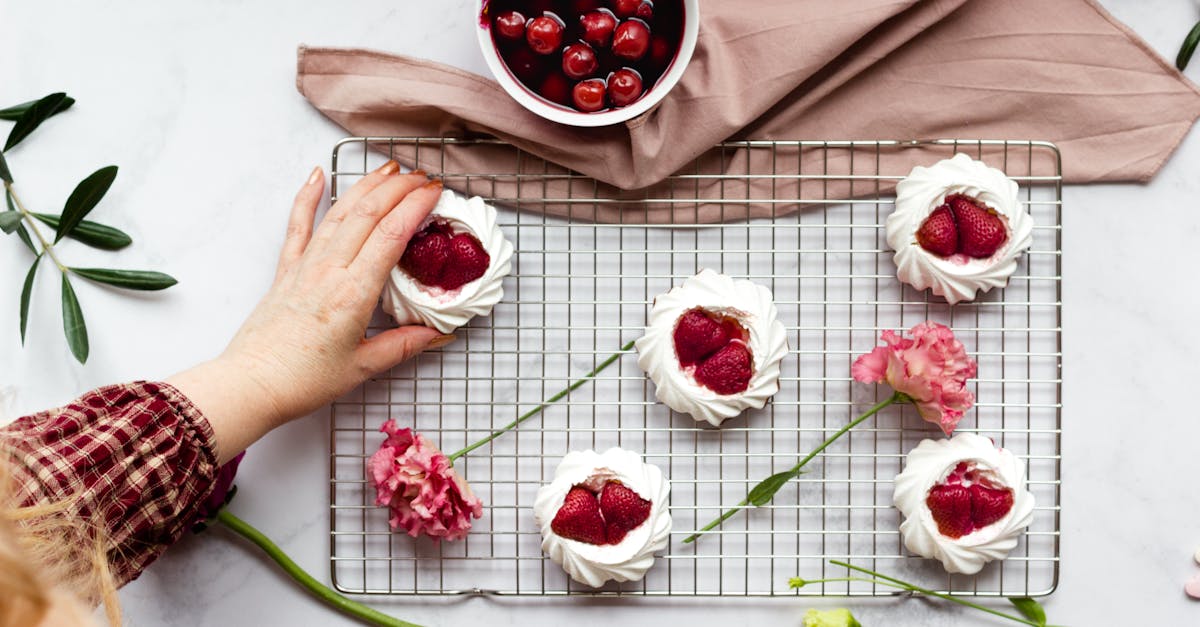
[[581, 289]]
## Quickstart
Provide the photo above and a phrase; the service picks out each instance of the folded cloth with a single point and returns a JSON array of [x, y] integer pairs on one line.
[[1063, 71]]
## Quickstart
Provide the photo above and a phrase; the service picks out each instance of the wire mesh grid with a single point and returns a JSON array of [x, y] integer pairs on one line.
[[580, 289]]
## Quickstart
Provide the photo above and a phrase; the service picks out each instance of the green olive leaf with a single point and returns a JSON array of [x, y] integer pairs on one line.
[[1030, 609], [5, 175], [1188, 47], [73, 324], [9, 221], [85, 197], [26, 291], [129, 279], [21, 232], [15, 112], [91, 233], [766, 489], [24, 235], [33, 117]]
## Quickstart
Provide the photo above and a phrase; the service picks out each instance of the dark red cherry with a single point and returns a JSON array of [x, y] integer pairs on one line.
[[556, 88], [525, 65], [631, 40], [661, 53], [624, 87], [544, 34], [645, 11], [626, 8], [579, 61], [598, 27], [589, 95], [579, 7], [510, 25]]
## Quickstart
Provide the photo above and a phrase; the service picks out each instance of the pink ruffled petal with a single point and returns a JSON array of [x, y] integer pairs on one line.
[[871, 367], [420, 488], [931, 367]]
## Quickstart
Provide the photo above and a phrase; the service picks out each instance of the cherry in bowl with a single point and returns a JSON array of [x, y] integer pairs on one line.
[[579, 61], [625, 86], [544, 34]]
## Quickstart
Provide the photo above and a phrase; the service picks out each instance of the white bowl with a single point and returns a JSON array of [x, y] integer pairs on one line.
[[564, 115]]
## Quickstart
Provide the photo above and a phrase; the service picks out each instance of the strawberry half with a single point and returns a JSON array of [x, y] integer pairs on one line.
[[623, 510], [728, 371], [950, 506], [698, 335], [717, 346], [468, 262], [981, 231], [989, 505], [427, 255], [438, 257], [938, 233], [579, 517]]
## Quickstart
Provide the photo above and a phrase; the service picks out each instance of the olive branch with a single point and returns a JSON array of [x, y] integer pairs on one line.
[[28, 116]]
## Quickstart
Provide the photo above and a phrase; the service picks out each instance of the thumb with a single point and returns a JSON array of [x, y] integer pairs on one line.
[[393, 346]]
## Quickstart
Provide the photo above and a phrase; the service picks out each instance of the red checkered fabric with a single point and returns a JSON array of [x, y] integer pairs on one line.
[[139, 458]]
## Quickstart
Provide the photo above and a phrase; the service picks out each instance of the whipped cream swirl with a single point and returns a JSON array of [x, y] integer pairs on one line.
[[929, 464], [411, 302], [957, 277], [629, 559], [753, 306]]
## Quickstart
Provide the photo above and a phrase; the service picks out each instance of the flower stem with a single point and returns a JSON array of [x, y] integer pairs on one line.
[[904, 585], [553, 399], [795, 470], [47, 247], [321, 591]]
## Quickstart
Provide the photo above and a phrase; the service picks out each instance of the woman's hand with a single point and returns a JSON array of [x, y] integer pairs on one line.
[[304, 344]]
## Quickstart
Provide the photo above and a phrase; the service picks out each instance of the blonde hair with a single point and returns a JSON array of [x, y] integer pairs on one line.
[[48, 553]]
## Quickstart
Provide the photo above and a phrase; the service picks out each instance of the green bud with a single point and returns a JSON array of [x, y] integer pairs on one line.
[[830, 618]]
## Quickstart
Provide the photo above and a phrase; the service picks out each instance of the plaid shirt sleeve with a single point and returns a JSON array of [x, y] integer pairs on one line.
[[139, 458]]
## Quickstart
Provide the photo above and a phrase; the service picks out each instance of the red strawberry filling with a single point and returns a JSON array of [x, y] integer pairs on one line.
[[728, 371], [968, 500], [439, 257], [604, 518], [579, 517], [715, 346], [963, 225]]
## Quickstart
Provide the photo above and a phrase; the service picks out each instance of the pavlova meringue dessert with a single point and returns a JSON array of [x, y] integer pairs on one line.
[[958, 228], [964, 502], [604, 515], [453, 268], [713, 347]]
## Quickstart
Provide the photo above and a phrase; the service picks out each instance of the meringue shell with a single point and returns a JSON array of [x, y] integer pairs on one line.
[[629, 559], [929, 464], [956, 278], [410, 302], [754, 307]]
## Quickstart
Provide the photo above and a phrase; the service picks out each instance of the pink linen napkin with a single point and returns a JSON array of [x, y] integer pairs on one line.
[[1059, 70]]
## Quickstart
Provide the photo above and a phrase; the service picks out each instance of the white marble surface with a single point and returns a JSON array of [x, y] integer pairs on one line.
[[196, 104]]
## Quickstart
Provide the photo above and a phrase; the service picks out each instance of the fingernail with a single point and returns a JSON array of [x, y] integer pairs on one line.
[[315, 176], [441, 341], [435, 184], [420, 173], [389, 168]]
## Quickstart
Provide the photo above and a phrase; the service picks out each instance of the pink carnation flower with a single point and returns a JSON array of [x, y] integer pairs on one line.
[[932, 369], [416, 482]]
